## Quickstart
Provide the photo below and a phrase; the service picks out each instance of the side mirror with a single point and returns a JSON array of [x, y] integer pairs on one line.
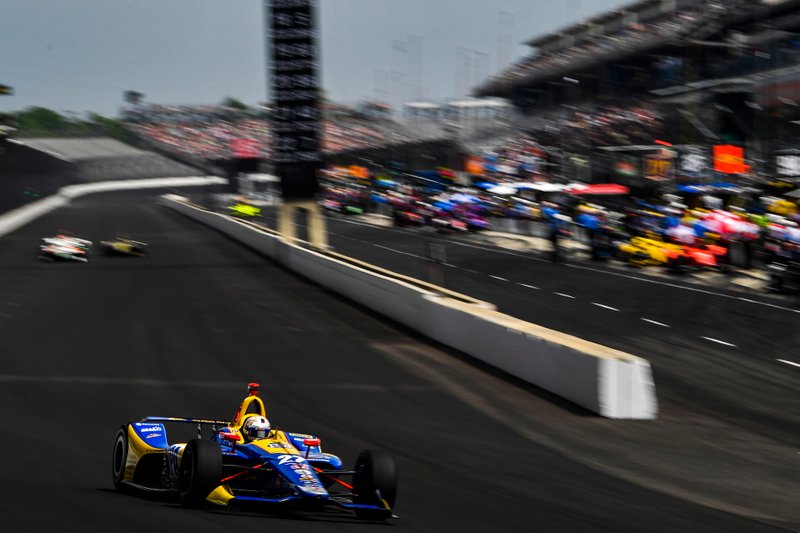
[[233, 437], [309, 443]]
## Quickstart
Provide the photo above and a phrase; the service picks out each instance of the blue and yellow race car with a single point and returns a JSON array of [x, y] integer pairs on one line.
[[246, 461]]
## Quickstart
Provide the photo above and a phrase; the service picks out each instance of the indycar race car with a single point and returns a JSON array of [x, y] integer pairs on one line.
[[122, 245], [64, 247], [344, 201], [242, 209], [248, 462], [641, 251]]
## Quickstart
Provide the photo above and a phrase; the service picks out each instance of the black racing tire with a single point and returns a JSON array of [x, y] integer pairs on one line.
[[199, 473], [638, 259], [677, 265], [375, 482], [119, 458]]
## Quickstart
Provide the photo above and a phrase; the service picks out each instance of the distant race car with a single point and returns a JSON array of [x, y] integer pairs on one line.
[[246, 461], [347, 204], [242, 209], [641, 251], [121, 245], [408, 217], [65, 247], [445, 222]]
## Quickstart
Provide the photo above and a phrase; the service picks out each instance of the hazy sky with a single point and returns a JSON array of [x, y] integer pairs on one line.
[[80, 55]]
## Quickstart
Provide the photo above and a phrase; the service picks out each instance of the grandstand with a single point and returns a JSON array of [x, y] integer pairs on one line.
[[686, 72], [471, 120], [212, 132], [101, 158]]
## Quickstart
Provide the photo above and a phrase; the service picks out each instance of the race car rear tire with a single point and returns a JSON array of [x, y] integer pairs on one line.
[[199, 473], [677, 265], [375, 483], [119, 458], [625, 257]]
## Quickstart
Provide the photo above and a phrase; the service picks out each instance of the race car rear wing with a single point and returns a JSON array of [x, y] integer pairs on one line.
[[199, 421], [186, 420]]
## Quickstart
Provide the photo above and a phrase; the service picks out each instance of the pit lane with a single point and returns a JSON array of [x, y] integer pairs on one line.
[[87, 347], [723, 351]]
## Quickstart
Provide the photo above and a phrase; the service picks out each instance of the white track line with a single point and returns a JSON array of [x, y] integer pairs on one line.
[[497, 251], [605, 306], [718, 341], [528, 286], [395, 251], [683, 287], [115, 381], [657, 323], [564, 295], [580, 267], [784, 361], [497, 277]]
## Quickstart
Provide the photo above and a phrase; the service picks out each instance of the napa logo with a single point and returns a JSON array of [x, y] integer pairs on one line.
[[153, 434]]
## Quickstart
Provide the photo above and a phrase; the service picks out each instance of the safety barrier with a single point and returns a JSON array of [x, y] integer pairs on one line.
[[611, 383], [16, 218]]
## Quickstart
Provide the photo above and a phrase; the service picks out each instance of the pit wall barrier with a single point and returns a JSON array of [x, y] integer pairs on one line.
[[611, 383], [16, 218]]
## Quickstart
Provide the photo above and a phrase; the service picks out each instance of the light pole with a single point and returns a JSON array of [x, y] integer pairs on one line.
[[505, 30], [397, 75], [576, 83], [381, 85], [481, 61], [463, 59], [416, 72], [561, 118]]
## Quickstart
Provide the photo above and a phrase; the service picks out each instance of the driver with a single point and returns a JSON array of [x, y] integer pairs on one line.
[[256, 427]]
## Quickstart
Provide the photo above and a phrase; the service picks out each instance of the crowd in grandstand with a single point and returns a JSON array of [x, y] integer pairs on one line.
[[522, 155], [631, 37], [207, 131], [623, 122]]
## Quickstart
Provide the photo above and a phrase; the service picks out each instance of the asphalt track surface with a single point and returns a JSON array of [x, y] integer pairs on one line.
[[86, 347]]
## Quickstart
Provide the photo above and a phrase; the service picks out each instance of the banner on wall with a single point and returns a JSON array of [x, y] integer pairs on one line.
[[729, 159]]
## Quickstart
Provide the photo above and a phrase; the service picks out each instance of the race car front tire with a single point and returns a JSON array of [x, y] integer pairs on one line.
[[375, 483], [119, 458], [200, 472]]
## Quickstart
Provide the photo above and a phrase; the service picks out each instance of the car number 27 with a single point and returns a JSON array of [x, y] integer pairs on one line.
[[288, 459]]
